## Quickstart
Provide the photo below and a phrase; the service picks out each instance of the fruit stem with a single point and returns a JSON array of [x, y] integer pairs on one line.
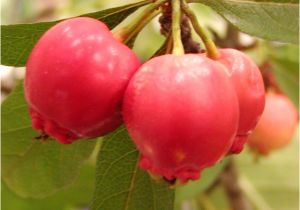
[[126, 33], [176, 30], [169, 44], [210, 46]]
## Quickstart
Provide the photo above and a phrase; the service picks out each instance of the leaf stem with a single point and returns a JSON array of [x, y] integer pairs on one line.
[[128, 32], [210, 46], [176, 31]]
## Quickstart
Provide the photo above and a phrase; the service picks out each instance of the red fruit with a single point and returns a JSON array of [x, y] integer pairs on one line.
[[76, 76], [182, 113], [249, 87], [277, 125]]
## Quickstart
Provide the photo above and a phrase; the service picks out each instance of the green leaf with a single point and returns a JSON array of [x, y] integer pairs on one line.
[[18, 40], [274, 180], [17, 134], [33, 168], [45, 168], [271, 20], [194, 188], [70, 197], [120, 184]]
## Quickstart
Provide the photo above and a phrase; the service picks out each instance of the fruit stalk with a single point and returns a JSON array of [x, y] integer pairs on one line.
[[165, 20], [143, 23], [210, 46], [126, 33], [176, 31]]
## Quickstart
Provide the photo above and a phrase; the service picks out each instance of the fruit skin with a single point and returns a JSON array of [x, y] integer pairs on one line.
[[182, 113], [249, 86], [76, 76], [276, 126]]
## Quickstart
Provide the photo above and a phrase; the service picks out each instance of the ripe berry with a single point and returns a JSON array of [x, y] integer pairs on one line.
[[249, 87], [182, 113], [75, 80], [277, 125]]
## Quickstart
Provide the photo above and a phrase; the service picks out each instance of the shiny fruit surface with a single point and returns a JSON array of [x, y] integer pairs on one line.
[[182, 113], [249, 86], [76, 76]]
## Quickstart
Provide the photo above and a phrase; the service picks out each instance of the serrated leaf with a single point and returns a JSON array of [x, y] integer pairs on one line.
[[271, 20], [121, 185], [69, 197], [18, 40], [33, 168]]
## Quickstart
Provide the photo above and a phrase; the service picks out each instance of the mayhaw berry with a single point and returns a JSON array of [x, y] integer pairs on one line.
[[249, 86], [276, 126], [76, 76], [182, 113]]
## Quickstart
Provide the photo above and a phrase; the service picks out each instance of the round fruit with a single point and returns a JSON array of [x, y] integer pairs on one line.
[[277, 125], [76, 76], [249, 86], [182, 113]]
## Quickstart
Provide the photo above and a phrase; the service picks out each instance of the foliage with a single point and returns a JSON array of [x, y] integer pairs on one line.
[[44, 175], [65, 199], [33, 168], [120, 184], [271, 20]]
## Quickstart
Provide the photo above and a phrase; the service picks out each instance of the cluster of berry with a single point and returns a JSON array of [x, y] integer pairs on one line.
[[184, 112]]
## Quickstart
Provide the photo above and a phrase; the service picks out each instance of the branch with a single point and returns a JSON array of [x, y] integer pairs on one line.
[[229, 180]]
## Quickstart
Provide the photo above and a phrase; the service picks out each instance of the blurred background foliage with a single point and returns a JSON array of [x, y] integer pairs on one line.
[[271, 183]]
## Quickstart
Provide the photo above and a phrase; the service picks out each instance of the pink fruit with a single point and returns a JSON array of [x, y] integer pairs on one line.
[[76, 76], [182, 113], [277, 125], [249, 87]]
